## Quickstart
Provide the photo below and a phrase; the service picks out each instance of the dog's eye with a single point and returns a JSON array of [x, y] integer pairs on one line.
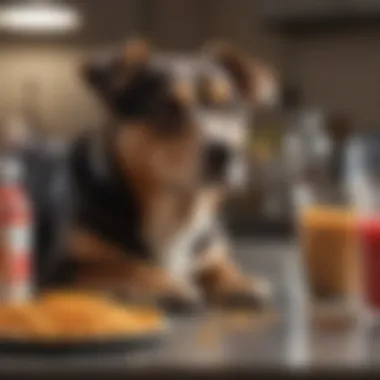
[[184, 91]]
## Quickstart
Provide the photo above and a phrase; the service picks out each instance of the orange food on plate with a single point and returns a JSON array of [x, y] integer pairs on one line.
[[65, 315], [25, 321]]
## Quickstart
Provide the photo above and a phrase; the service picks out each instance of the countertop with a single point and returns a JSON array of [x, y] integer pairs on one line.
[[282, 338]]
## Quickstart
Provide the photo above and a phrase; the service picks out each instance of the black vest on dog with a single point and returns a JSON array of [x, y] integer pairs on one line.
[[102, 203]]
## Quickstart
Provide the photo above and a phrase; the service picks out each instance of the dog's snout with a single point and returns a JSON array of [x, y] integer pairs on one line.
[[216, 157]]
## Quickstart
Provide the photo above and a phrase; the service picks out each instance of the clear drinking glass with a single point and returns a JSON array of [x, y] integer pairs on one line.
[[328, 242]]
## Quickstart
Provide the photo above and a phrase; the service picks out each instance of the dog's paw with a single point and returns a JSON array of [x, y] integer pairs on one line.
[[181, 299], [246, 293], [257, 293]]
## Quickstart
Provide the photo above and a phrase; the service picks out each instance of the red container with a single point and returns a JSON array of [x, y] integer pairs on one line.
[[370, 240], [15, 241]]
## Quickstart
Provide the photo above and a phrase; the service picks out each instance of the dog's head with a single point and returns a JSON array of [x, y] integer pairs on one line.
[[181, 120]]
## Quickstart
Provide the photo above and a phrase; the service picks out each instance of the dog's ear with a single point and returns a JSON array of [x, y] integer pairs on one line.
[[256, 82], [106, 73]]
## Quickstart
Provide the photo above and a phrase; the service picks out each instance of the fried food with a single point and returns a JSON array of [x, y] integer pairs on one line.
[[25, 321], [65, 315]]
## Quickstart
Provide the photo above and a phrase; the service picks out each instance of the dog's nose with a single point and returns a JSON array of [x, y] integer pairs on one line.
[[216, 157]]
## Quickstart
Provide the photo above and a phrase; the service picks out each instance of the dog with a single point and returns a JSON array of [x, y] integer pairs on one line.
[[148, 187]]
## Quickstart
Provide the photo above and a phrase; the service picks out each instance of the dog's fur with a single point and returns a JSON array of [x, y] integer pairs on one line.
[[149, 187]]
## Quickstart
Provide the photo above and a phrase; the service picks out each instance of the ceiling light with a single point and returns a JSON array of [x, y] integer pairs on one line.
[[39, 17]]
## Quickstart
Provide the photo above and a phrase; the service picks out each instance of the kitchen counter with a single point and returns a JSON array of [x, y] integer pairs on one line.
[[281, 338]]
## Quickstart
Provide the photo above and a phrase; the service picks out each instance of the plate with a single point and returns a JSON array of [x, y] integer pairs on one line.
[[104, 344], [85, 346]]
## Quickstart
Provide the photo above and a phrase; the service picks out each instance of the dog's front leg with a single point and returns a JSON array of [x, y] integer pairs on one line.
[[222, 280], [136, 281], [102, 267], [177, 260]]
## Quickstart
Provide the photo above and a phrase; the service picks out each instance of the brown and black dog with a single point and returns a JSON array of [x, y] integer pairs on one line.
[[148, 187]]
